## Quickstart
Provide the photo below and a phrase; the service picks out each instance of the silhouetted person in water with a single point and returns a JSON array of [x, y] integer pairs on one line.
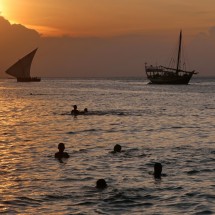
[[157, 170], [83, 112], [101, 184], [75, 111], [61, 153], [117, 148]]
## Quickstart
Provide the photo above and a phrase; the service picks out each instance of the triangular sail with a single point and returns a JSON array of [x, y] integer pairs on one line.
[[21, 69]]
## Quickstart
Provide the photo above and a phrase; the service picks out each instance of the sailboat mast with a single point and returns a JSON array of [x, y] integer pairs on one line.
[[179, 52]]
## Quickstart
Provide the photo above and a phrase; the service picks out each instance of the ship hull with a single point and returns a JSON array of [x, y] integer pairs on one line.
[[29, 79], [165, 80], [162, 75]]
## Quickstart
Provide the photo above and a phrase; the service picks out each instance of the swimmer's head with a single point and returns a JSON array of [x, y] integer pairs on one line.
[[157, 169], [61, 147], [117, 148], [75, 107], [101, 184], [85, 110]]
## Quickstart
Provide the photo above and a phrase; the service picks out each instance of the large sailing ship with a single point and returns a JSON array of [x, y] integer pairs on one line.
[[169, 75], [21, 69]]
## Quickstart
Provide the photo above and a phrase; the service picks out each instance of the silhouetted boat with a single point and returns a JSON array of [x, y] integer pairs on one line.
[[169, 75], [21, 69]]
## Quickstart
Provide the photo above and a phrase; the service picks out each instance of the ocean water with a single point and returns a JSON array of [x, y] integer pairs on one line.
[[174, 125]]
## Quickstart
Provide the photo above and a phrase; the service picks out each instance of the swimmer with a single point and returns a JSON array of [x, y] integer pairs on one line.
[[84, 112], [101, 184], [61, 153], [75, 111], [157, 170], [117, 148]]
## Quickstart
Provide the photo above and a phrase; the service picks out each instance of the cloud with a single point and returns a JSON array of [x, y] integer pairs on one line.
[[202, 52], [16, 33], [14, 41], [100, 57], [212, 31], [76, 57]]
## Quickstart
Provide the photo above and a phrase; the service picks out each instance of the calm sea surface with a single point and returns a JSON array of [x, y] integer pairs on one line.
[[174, 125]]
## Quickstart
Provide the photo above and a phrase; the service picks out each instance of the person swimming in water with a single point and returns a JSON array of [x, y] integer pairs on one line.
[[75, 110], [157, 170], [101, 184], [83, 112], [117, 148], [61, 153]]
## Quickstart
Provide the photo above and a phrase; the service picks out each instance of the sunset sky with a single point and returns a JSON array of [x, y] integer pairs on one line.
[[106, 37], [109, 17]]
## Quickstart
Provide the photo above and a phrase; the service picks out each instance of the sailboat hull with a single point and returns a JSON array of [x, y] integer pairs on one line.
[[170, 80], [29, 79], [163, 75]]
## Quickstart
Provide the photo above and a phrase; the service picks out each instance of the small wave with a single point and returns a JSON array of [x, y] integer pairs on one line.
[[71, 132], [84, 131], [204, 212], [23, 201], [186, 147], [85, 203], [130, 199], [192, 194], [193, 172], [207, 170], [119, 197], [83, 150], [56, 197], [46, 94], [106, 113], [175, 188], [63, 114], [176, 127], [207, 196], [4, 210]]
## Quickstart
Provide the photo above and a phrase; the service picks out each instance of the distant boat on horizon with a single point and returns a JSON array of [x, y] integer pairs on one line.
[[169, 75], [21, 69]]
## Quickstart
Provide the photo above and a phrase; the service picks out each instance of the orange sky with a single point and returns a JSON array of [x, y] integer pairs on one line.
[[106, 38], [109, 17]]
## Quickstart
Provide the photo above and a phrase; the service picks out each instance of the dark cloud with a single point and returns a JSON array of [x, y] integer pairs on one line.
[[202, 52], [99, 57], [14, 41], [212, 31]]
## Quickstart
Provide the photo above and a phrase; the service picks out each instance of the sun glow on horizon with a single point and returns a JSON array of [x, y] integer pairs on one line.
[[5, 12], [1, 8], [46, 31], [109, 18]]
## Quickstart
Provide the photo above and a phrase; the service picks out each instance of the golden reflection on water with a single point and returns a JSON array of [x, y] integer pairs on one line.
[[154, 129]]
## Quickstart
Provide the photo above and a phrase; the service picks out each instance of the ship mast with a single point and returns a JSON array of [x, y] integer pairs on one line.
[[179, 52]]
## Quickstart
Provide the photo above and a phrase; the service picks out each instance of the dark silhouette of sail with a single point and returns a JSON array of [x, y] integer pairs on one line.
[[21, 69]]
